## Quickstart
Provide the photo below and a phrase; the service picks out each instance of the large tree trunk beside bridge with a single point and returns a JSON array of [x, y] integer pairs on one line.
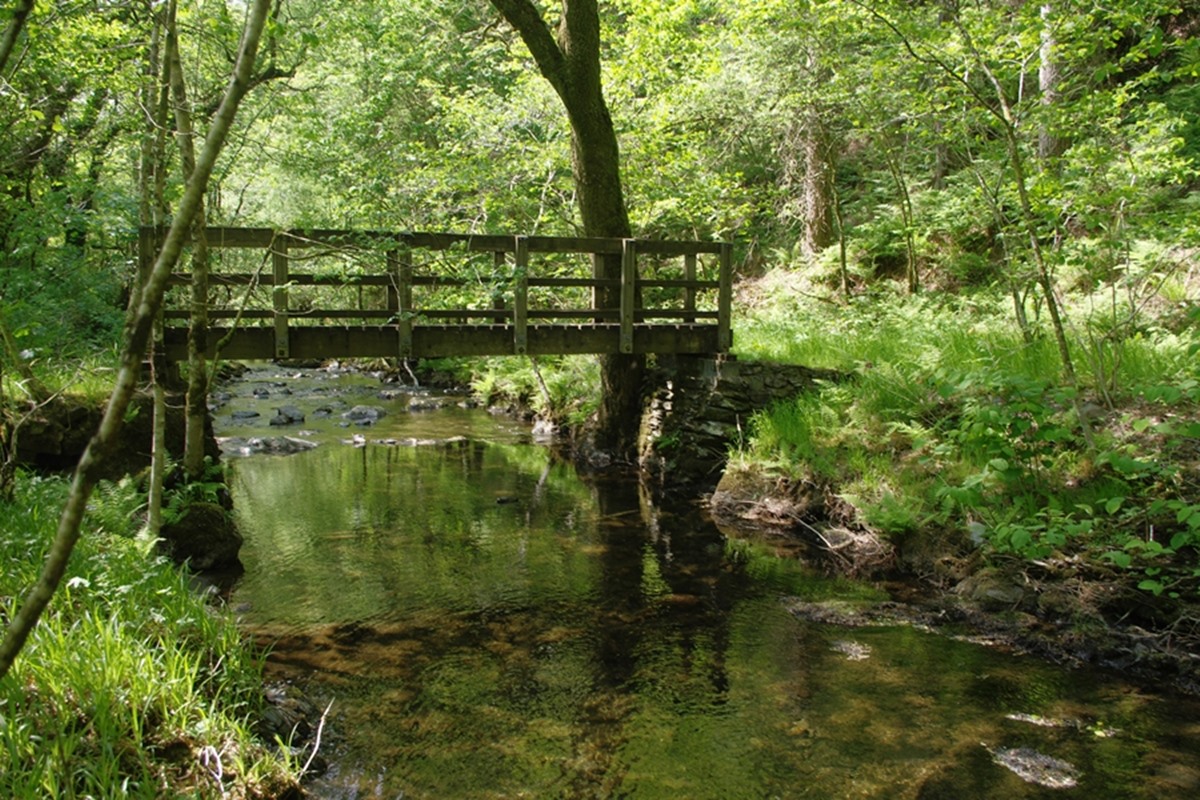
[[570, 60]]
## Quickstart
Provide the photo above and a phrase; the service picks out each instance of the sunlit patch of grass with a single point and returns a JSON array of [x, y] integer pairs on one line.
[[948, 412], [89, 376], [130, 683], [568, 391]]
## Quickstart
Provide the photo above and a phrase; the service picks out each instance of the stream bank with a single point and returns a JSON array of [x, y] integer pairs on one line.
[[1065, 608]]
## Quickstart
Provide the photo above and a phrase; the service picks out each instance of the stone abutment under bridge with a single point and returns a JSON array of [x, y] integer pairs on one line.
[[697, 407]]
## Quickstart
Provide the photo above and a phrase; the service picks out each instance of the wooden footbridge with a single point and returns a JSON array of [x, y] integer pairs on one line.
[[342, 294]]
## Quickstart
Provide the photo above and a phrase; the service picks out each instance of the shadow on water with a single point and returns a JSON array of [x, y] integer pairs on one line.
[[488, 625]]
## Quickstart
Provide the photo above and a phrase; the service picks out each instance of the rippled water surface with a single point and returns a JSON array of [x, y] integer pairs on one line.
[[487, 624]]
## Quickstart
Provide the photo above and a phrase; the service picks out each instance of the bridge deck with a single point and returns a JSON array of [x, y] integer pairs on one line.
[[345, 294]]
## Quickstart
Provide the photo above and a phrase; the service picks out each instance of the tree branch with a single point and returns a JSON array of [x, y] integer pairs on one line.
[[535, 32], [19, 15]]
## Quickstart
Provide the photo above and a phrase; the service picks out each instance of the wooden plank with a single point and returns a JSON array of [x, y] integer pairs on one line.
[[279, 297], [521, 294], [603, 314], [380, 341], [302, 238], [725, 299], [574, 282], [628, 294]]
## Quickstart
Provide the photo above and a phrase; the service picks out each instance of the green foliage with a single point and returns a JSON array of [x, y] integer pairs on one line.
[[567, 392], [209, 487], [129, 676], [948, 418]]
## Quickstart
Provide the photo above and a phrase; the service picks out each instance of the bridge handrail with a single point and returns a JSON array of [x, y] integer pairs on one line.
[[400, 279]]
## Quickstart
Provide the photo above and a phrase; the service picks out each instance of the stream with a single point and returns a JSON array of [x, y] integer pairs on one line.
[[487, 623]]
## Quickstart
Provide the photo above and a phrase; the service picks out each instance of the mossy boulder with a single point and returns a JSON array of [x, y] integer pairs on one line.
[[204, 537]]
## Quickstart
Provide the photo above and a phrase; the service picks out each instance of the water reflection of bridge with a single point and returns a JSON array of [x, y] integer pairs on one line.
[[338, 293]]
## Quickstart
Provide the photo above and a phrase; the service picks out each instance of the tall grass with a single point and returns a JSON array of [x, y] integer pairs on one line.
[[949, 415], [131, 685]]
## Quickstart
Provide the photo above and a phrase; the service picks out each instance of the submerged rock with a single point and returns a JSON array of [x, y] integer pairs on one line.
[[1033, 767], [364, 415], [265, 445], [287, 415]]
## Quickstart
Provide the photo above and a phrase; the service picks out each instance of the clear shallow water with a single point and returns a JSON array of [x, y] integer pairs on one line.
[[489, 625]]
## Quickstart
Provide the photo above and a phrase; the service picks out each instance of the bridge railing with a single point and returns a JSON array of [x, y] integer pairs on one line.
[[281, 308]]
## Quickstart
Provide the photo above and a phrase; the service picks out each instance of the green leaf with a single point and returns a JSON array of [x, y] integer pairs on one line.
[[1154, 587], [1113, 504], [1122, 560]]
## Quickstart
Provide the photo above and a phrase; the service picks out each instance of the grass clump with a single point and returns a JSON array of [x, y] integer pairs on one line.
[[131, 685]]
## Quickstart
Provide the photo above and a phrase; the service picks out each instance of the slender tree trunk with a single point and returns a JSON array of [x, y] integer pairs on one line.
[[570, 60], [196, 411], [19, 15], [906, 217], [840, 229], [152, 212], [1029, 221], [92, 461]]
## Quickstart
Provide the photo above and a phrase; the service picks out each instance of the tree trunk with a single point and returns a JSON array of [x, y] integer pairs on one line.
[[19, 15], [817, 185], [570, 61], [1050, 144], [896, 168], [87, 473], [196, 405]]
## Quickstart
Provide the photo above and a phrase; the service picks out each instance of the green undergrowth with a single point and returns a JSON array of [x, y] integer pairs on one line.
[[90, 374], [131, 685], [567, 393], [951, 420]]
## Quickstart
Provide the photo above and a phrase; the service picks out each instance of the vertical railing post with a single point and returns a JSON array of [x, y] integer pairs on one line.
[[499, 261], [402, 265], [628, 292], [725, 299], [521, 295], [689, 293], [279, 295]]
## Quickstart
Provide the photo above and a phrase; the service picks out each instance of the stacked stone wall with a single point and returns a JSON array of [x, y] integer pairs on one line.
[[698, 408]]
